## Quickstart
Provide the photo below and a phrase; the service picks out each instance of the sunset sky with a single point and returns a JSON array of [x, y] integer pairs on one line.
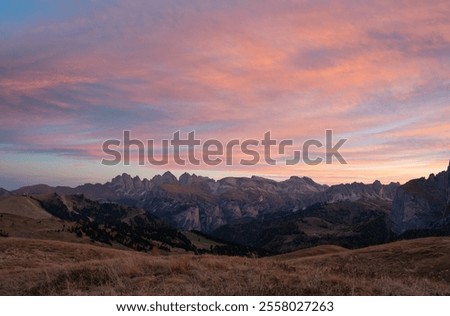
[[76, 73]]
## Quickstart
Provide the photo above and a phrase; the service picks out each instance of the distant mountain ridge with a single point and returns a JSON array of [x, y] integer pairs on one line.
[[4, 192], [205, 204]]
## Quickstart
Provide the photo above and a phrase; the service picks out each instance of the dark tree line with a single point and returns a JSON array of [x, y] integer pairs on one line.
[[110, 223]]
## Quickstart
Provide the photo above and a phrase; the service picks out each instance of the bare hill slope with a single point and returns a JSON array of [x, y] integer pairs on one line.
[[33, 267]]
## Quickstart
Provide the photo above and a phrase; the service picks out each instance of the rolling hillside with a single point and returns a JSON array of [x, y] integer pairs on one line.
[[414, 267]]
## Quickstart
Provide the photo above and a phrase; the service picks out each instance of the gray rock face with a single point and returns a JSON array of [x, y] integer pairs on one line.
[[356, 191], [422, 203]]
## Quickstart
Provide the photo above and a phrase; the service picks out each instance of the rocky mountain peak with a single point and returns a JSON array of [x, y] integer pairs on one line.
[[126, 183], [258, 178], [302, 180], [121, 179], [166, 178], [138, 184], [186, 179]]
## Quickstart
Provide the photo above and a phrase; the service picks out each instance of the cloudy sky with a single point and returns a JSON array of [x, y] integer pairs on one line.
[[74, 74]]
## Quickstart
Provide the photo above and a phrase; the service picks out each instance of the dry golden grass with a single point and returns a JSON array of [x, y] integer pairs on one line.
[[23, 206], [42, 267], [313, 251]]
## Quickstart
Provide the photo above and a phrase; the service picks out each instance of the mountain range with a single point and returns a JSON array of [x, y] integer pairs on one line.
[[199, 203], [276, 216]]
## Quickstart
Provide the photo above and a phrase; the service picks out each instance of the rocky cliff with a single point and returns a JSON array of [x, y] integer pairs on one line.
[[422, 204]]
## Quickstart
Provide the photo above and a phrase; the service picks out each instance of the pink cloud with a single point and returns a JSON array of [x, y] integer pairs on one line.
[[235, 70]]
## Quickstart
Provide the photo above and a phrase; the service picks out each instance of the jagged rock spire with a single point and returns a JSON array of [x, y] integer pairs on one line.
[[448, 186]]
